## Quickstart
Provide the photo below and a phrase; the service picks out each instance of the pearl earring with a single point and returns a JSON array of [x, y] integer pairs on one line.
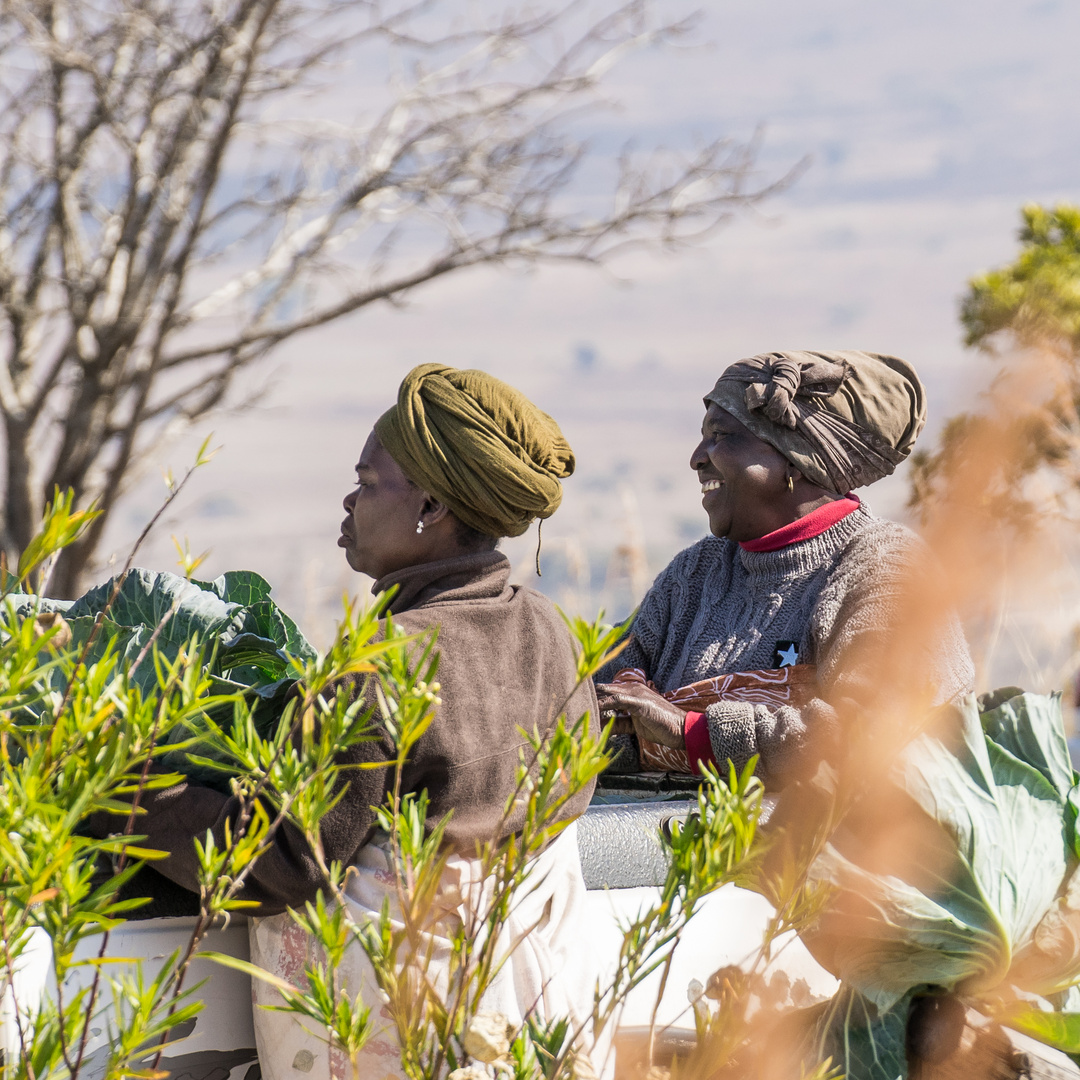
[[419, 527]]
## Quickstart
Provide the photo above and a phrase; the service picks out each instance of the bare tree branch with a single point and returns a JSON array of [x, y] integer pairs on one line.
[[180, 192]]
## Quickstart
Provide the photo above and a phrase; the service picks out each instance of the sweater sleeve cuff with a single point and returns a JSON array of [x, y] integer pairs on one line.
[[698, 743]]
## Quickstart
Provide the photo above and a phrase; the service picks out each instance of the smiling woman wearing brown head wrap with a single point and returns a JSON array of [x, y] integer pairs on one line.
[[796, 571]]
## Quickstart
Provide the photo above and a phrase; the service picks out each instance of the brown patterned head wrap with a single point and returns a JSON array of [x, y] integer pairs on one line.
[[843, 419], [478, 445]]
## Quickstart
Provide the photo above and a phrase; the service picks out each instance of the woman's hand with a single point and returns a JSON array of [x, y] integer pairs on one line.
[[653, 716]]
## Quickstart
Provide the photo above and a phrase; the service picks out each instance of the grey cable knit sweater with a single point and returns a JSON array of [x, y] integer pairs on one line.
[[717, 608]]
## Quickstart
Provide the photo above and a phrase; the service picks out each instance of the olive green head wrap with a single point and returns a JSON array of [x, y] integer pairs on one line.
[[843, 419], [479, 446]]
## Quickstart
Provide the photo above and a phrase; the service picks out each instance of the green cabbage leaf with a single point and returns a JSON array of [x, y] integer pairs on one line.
[[251, 645], [996, 920]]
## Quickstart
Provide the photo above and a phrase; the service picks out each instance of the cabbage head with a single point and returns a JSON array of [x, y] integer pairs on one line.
[[250, 643], [993, 912]]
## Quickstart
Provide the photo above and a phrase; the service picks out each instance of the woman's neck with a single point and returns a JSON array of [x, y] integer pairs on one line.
[[822, 517], [780, 512]]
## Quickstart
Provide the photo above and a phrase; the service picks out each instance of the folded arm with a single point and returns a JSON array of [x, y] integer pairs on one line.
[[853, 636]]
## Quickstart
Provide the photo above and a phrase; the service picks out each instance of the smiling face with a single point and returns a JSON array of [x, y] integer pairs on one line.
[[379, 533], [743, 479]]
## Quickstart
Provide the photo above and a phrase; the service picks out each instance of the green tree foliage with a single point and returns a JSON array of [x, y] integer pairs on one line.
[[1035, 299], [1027, 316]]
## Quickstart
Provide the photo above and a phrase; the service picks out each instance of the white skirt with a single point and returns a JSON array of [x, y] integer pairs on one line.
[[552, 972]]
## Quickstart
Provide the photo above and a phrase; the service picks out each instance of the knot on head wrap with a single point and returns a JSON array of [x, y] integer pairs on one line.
[[479, 446], [843, 419]]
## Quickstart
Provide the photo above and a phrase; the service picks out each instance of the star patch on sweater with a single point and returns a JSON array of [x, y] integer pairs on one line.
[[786, 654]]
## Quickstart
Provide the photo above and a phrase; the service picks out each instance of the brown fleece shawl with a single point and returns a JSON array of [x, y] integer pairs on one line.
[[506, 662]]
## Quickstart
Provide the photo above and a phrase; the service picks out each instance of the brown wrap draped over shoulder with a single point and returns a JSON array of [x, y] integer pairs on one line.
[[843, 419]]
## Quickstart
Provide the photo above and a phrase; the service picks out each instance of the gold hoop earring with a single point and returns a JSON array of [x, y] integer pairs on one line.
[[790, 485]]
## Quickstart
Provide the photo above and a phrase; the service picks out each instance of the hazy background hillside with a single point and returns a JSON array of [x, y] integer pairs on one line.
[[926, 125]]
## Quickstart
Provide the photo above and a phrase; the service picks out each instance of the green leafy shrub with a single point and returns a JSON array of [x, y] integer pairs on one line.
[[150, 676]]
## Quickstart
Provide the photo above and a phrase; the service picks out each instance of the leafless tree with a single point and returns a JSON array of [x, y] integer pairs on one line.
[[184, 184]]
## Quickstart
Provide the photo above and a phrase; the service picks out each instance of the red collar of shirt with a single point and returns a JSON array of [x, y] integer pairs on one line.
[[814, 524]]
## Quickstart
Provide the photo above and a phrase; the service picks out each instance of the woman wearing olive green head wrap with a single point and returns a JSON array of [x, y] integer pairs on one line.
[[461, 460]]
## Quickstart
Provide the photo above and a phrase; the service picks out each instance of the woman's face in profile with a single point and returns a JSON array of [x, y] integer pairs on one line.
[[379, 531], [742, 477]]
